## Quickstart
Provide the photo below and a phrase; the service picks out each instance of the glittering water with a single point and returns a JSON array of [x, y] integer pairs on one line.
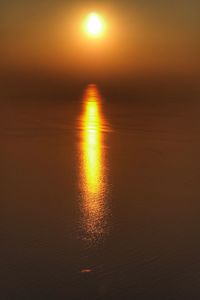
[[93, 167]]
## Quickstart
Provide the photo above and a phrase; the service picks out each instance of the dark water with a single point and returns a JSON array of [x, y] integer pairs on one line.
[[100, 198]]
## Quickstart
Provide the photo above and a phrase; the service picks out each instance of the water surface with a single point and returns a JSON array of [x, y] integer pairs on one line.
[[100, 197]]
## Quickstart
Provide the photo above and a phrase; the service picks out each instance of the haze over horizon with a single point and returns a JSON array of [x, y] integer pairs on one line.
[[141, 38]]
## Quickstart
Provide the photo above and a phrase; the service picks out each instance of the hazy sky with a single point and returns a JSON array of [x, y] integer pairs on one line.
[[141, 36]]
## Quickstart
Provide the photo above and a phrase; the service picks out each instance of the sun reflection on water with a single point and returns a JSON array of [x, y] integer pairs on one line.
[[93, 181]]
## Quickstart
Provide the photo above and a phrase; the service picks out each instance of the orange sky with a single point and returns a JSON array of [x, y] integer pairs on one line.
[[140, 37]]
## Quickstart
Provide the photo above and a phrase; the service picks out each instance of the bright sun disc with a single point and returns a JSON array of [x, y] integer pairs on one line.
[[94, 25]]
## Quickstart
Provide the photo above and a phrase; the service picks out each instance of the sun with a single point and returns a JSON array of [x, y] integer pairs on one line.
[[94, 25]]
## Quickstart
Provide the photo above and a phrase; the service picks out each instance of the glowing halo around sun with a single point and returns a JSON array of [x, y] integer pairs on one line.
[[94, 25]]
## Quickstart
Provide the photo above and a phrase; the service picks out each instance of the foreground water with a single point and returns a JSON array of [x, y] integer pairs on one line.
[[100, 199]]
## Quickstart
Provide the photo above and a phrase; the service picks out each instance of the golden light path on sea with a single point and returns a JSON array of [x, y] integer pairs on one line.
[[93, 179]]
